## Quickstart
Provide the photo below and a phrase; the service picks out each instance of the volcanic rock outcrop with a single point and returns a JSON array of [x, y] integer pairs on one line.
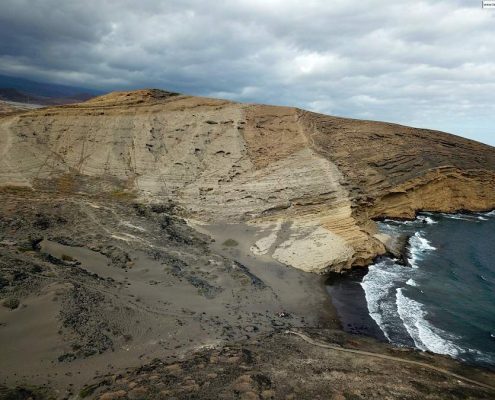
[[311, 183]]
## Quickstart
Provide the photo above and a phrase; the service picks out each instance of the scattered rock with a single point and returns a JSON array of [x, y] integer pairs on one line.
[[268, 394], [11, 303], [138, 393], [113, 395]]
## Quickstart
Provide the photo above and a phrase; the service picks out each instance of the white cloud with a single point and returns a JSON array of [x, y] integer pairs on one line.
[[426, 63]]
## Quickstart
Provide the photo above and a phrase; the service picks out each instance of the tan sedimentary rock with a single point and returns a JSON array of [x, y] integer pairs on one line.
[[395, 170], [310, 182]]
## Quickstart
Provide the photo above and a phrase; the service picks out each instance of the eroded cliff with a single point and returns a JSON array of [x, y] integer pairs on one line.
[[310, 183]]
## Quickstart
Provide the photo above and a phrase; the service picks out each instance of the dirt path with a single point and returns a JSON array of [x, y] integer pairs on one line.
[[385, 357]]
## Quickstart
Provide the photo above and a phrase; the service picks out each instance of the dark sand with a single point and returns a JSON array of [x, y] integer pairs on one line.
[[118, 300], [102, 289], [347, 297]]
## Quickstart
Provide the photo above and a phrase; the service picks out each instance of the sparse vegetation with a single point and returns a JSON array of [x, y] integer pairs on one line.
[[123, 195], [66, 257], [147, 283], [230, 243], [66, 184], [11, 303], [25, 392]]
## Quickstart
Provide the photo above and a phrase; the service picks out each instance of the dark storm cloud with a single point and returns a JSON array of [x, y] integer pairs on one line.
[[426, 63]]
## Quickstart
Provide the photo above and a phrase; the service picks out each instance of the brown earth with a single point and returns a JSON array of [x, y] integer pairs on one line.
[[142, 230], [283, 366]]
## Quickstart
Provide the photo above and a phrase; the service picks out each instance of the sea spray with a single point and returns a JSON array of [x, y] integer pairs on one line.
[[419, 246], [381, 282], [378, 285], [425, 336]]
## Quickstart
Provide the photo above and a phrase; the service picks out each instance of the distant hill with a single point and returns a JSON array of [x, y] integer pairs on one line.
[[10, 94], [28, 91]]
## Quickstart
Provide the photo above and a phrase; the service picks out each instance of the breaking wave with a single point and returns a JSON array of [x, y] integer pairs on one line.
[[470, 217], [378, 285], [392, 291], [425, 336], [418, 247], [426, 219], [382, 280]]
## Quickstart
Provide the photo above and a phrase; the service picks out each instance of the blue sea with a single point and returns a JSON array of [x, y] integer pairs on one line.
[[443, 301]]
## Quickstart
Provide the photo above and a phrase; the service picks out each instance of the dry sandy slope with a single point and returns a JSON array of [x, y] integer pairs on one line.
[[91, 285], [310, 182]]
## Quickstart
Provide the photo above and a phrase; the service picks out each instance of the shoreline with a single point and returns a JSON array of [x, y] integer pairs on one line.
[[347, 298], [351, 303]]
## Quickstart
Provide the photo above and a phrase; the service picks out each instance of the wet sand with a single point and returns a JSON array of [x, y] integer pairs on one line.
[[348, 299]]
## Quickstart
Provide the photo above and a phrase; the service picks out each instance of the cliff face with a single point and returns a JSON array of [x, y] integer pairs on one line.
[[311, 183], [394, 170]]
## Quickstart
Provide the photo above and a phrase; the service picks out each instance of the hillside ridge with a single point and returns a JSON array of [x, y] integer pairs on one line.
[[310, 183]]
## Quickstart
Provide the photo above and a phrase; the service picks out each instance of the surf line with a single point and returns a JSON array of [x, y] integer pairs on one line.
[[385, 357]]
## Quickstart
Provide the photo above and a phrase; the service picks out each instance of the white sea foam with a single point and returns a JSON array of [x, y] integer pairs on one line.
[[422, 243], [425, 335], [418, 247], [394, 223], [379, 287], [461, 217], [376, 285], [381, 280], [387, 288], [469, 217], [427, 220]]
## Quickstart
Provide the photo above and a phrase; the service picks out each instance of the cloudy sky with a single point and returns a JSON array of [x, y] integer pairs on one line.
[[421, 63]]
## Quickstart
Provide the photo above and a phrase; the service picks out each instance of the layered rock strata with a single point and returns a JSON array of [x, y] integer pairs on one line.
[[311, 183]]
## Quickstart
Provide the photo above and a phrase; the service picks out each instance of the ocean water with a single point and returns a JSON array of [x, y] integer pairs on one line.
[[443, 302]]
